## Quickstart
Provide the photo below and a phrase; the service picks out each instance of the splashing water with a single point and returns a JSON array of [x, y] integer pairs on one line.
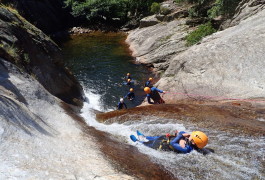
[[235, 157]]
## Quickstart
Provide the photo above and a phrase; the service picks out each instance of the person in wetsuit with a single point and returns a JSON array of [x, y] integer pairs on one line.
[[130, 95], [128, 83], [121, 104], [182, 142], [149, 83], [152, 93]]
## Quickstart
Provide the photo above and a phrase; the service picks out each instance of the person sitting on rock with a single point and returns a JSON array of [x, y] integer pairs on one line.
[[152, 93], [149, 83], [130, 95], [121, 104]]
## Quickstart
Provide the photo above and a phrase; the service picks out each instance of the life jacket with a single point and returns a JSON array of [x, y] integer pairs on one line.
[[165, 143]]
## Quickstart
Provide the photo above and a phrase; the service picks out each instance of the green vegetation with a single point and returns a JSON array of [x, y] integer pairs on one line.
[[217, 7], [207, 10], [109, 11], [155, 8], [202, 31], [26, 58], [11, 51], [223, 7]]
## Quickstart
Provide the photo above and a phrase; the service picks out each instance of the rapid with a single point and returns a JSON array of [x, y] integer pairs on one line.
[[237, 156]]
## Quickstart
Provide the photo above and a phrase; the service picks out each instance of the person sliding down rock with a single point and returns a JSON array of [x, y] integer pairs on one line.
[[181, 142], [121, 104], [152, 93], [130, 95]]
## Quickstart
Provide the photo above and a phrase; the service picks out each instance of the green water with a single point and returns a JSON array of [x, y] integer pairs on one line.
[[100, 61]]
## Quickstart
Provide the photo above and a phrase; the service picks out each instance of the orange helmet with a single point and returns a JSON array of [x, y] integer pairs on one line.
[[128, 74], [150, 79], [199, 138], [128, 80], [131, 90], [147, 90]]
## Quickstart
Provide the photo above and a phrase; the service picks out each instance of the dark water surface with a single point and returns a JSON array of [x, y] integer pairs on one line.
[[100, 61]]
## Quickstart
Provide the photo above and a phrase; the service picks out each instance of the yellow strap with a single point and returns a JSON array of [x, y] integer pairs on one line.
[[160, 147], [161, 144]]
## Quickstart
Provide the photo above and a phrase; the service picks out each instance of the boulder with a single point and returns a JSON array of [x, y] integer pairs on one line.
[[148, 21], [226, 64], [158, 44]]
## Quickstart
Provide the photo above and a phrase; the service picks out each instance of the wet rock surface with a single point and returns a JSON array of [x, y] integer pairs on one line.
[[233, 117], [41, 137]]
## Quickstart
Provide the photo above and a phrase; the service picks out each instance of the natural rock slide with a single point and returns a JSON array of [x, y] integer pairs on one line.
[[43, 137]]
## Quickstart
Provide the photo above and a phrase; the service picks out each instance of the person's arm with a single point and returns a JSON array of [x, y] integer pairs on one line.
[[154, 88], [126, 95], [174, 143], [178, 148], [183, 133]]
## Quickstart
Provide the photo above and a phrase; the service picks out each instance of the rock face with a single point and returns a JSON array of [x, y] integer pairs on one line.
[[226, 64], [38, 140], [35, 53], [245, 10], [158, 44], [47, 15]]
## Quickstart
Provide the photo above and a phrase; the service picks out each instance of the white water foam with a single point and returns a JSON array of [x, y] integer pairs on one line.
[[234, 157], [122, 131]]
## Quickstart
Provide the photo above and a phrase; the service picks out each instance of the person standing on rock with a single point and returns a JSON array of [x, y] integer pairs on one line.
[[121, 104], [130, 95], [149, 83], [152, 93]]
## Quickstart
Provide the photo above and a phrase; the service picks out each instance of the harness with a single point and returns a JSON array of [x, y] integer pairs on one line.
[[165, 143]]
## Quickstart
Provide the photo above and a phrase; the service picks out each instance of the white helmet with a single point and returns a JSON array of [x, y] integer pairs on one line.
[[121, 100]]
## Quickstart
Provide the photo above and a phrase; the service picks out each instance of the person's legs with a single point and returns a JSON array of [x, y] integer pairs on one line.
[[152, 138], [133, 138]]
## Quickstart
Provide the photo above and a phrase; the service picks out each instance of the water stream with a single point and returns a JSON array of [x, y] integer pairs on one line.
[[100, 61]]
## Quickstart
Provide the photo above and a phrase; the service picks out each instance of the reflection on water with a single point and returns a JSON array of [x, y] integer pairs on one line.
[[100, 61]]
